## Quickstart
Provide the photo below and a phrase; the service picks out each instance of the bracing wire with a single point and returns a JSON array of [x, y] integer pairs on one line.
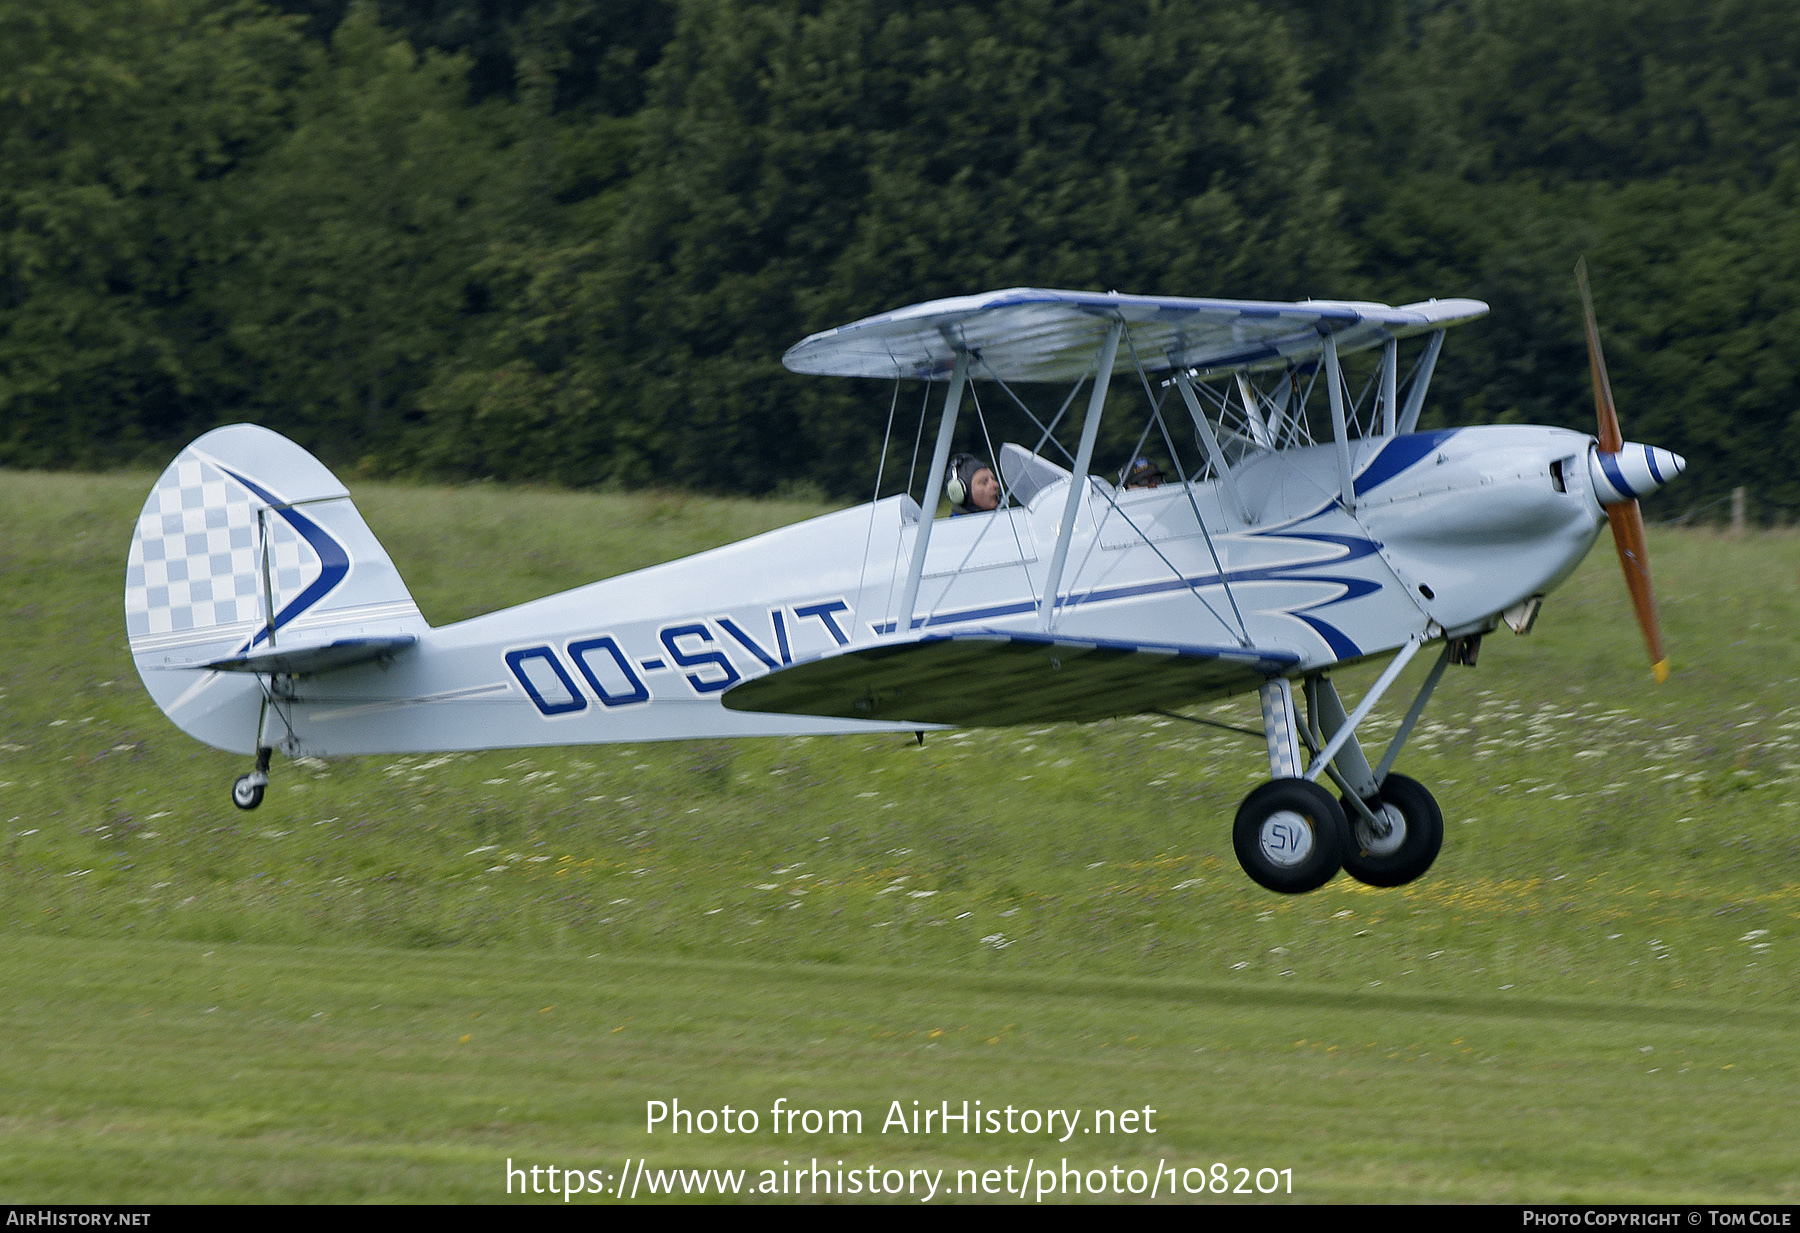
[[1356, 407], [911, 469], [1138, 449], [998, 512], [1301, 422], [887, 435], [1188, 489], [1113, 501], [1005, 488], [1225, 582], [1048, 433], [1209, 723], [1032, 417], [993, 458], [919, 436], [880, 470]]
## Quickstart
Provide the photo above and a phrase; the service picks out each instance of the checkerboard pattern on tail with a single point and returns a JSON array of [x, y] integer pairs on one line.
[[194, 564]]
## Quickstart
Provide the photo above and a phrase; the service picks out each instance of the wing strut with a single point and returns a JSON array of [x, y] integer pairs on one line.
[[1339, 432], [1214, 454], [1278, 408], [1078, 482], [1390, 375], [934, 487], [1259, 428], [1415, 397]]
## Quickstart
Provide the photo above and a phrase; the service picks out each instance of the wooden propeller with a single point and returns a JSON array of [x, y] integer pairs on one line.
[[1626, 518]]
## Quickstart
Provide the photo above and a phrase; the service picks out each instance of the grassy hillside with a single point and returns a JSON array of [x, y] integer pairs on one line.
[[1616, 852]]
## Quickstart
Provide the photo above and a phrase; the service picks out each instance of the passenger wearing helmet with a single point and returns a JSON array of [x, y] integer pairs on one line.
[[971, 486], [1142, 473]]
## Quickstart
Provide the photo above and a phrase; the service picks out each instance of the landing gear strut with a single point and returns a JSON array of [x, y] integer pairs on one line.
[[247, 792], [1290, 836]]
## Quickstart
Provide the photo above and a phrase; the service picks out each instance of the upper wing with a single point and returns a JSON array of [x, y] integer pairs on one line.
[[986, 678], [1028, 334]]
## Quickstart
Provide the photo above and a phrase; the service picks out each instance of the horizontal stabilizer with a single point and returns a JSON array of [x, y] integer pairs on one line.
[[988, 678], [302, 660]]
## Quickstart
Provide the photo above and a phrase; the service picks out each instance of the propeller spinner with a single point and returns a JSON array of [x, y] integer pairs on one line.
[[1622, 472]]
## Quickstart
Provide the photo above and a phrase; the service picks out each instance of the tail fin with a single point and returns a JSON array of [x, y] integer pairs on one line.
[[248, 560]]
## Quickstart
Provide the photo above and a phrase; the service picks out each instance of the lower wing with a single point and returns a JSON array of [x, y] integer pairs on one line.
[[992, 678]]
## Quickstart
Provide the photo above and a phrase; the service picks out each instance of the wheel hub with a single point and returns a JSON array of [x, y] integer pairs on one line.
[[1286, 838], [1382, 844]]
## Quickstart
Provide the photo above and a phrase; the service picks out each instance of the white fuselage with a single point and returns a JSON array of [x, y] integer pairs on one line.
[[1447, 529]]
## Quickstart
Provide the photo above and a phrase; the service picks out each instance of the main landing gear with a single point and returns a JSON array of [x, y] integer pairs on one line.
[[1292, 836]]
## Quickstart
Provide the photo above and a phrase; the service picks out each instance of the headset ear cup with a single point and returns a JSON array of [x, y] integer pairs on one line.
[[955, 487]]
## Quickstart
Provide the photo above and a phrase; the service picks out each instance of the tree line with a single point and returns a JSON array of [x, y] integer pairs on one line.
[[568, 240]]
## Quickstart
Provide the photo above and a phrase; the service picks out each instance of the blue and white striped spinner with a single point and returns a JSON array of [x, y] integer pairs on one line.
[[1635, 471]]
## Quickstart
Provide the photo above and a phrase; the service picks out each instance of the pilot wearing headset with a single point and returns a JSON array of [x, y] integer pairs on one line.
[[971, 486]]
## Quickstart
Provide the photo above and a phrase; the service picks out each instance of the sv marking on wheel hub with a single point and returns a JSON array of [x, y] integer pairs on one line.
[[1286, 838]]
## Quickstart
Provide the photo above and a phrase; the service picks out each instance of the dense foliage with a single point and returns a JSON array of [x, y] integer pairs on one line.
[[569, 239]]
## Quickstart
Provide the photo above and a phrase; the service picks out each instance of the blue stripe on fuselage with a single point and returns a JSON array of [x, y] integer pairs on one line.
[[1399, 454], [1294, 571]]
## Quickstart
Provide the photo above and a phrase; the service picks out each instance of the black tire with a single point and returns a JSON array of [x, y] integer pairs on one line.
[[246, 795], [1290, 836], [1385, 862]]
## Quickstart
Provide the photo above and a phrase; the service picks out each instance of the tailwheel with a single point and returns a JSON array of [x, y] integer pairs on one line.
[[247, 791], [1408, 833], [1290, 836]]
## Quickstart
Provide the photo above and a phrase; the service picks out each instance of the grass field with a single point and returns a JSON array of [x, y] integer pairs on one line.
[[401, 972]]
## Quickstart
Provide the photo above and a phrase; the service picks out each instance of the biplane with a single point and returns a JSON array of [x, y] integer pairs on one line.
[[1307, 527]]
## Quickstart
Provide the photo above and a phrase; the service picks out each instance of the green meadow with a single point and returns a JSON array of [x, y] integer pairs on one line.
[[401, 973]]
